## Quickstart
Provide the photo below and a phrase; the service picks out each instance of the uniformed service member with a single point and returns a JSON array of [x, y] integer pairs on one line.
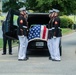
[[49, 26], [22, 34], [56, 35]]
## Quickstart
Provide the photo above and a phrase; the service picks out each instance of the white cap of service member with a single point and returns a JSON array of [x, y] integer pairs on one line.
[[22, 9], [56, 10], [50, 11]]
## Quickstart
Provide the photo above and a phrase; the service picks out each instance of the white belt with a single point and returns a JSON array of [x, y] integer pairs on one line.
[[24, 26], [59, 27], [49, 29], [53, 28]]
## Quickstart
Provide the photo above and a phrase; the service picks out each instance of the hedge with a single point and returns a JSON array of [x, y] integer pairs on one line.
[[66, 22]]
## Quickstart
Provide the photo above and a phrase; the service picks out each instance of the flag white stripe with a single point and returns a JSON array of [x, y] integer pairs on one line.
[[41, 33]]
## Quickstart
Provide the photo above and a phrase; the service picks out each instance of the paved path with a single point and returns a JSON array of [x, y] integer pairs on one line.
[[40, 65]]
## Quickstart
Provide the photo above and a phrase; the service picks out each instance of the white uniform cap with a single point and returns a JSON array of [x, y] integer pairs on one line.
[[50, 11], [55, 10], [22, 9], [27, 12]]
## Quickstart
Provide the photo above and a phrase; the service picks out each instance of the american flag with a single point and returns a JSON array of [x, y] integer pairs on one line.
[[38, 32]]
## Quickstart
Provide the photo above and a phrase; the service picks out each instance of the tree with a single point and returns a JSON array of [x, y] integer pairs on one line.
[[14, 4], [31, 4], [65, 6], [44, 5], [38, 5]]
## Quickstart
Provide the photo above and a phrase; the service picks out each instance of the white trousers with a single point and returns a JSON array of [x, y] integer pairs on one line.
[[53, 46], [23, 47]]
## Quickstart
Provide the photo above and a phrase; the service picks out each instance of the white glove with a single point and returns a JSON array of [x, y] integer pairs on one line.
[[54, 36]]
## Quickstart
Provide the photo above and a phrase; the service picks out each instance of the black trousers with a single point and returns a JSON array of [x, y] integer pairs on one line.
[[5, 42]]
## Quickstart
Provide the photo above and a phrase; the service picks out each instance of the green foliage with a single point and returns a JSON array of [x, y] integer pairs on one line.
[[66, 22], [44, 5], [63, 23], [65, 6], [31, 4], [66, 31], [14, 4], [73, 17]]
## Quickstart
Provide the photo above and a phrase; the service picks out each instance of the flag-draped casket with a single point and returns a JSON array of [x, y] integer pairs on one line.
[[38, 32]]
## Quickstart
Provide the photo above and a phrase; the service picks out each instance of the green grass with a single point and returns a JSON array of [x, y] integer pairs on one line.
[[66, 31], [1, 43]]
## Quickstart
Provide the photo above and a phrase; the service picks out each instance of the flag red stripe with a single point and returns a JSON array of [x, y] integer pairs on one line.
[[44, 32]]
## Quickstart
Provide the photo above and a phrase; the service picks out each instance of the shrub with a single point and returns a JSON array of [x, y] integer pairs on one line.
[[66, 22]]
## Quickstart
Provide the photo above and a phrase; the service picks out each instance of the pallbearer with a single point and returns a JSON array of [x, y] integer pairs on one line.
[[50, 36], [54, 35], [22, 34], [55, 53]]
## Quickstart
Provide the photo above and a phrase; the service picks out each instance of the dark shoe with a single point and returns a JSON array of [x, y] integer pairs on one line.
[[10, 53], [50, 58], [55, 60], [26, 58], [3, 53], [23, 59], [20, 59]]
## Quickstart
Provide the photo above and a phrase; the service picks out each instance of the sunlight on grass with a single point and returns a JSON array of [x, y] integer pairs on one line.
[[1, 43], [66, 31]]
